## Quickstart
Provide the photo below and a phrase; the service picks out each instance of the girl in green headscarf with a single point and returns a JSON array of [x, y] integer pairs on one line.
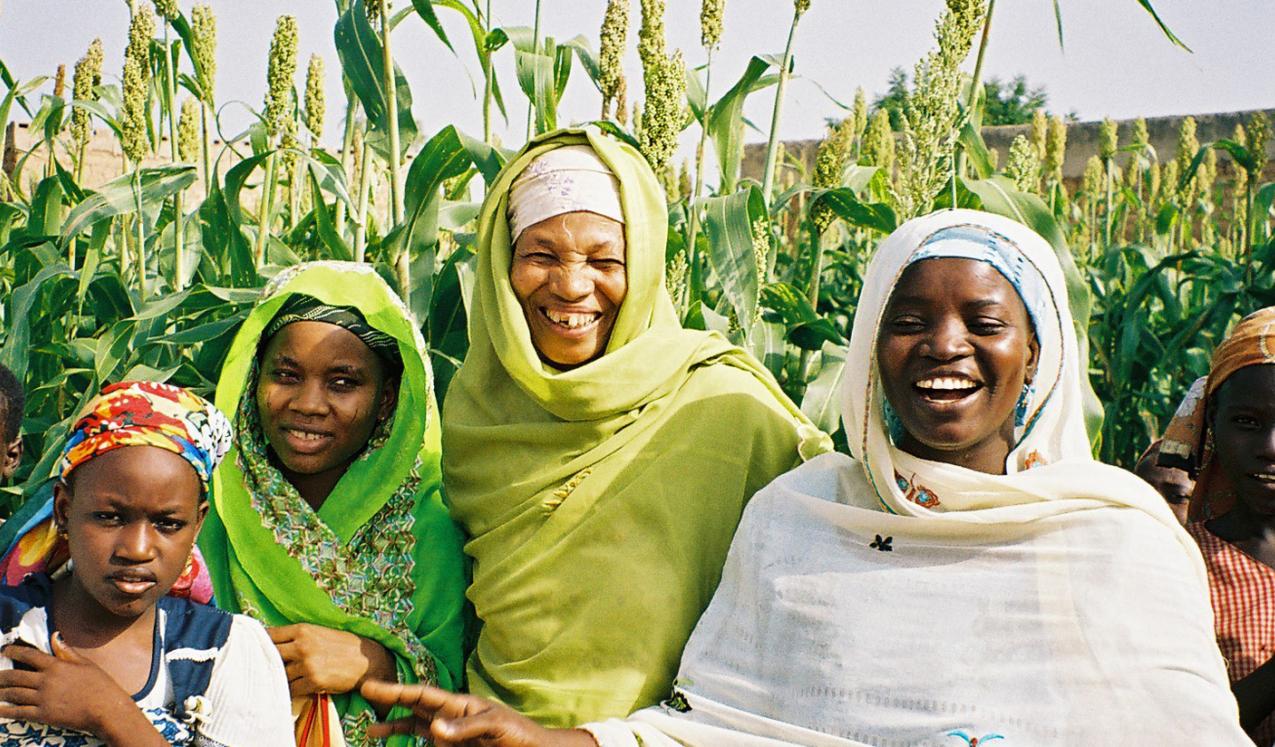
[[598, 455], [327, 521]]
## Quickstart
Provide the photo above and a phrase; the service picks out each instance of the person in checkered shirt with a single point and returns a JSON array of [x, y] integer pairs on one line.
[[1225, 433]]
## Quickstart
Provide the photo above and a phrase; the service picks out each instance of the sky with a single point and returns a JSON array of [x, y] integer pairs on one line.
[[1115, 63]]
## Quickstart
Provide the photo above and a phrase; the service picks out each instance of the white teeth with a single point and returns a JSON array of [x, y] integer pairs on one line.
[[306, 435], [571, 321], [1264, 477], [946, 383]]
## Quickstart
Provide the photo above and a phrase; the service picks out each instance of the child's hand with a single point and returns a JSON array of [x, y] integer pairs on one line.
[[64, 690], [323, 660]]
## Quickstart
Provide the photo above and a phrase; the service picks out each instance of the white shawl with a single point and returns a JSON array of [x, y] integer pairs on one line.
[[1060, 604]]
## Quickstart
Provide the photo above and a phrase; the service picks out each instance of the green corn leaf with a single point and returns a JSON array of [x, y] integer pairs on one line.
[[728, 224], [726, 122], [359, 49], [425, 9], [16, 351], [875, 215], [46, 208], [822, 400], [119, 196], [325, 222]]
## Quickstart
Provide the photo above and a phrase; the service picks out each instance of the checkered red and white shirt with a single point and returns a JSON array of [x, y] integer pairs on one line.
[[1242, 591]]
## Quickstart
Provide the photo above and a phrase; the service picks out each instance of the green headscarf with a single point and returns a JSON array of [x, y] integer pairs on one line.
[[380, 558], [600, 501]]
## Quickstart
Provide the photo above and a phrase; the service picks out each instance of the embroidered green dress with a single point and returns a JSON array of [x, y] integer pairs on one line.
[[380, 558]]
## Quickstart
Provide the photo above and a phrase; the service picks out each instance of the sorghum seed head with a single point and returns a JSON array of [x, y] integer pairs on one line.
[[314, 103], [860, 113], [684, 184], [1259, 134], [1091, 182], [1108, 139], [1040, 132], [203, 29], [710, 23], [59, 82], [280, 72], [615, 31], [137, 75], [664, 110], [878, 143], [1056, 149], [1024, 165], [1140, 134], [830, 163], [168, 9], [801, 6], [88, 75], [188, 130]]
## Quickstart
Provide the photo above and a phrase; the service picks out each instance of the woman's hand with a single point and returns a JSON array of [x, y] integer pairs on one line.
[[68, 691], [463, 720], [323, 660]]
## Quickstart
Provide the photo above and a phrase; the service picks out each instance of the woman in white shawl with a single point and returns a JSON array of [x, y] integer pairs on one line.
[[970, 575]]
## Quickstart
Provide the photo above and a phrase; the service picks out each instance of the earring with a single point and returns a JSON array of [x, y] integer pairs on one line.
[[1024, 404]]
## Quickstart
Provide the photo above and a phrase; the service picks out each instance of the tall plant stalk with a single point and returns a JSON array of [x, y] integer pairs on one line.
[[975, 83], [347, 153], [692, 203], [488, 79], [535, 41], [772, 145], [179, 237], [403, 260], [365, 184]]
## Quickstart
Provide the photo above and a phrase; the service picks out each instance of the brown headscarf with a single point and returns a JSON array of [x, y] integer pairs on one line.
[[1188, 441]]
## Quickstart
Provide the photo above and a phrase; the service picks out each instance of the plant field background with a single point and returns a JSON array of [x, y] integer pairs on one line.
[[147, 271]]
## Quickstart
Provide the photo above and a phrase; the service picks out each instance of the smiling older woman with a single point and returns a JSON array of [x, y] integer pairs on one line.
[[970, 575], [598, 454]]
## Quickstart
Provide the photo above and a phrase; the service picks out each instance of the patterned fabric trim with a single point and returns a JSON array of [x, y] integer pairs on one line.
[[370, 577]]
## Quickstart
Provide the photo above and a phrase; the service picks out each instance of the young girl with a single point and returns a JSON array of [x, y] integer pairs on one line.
[[99, 654]]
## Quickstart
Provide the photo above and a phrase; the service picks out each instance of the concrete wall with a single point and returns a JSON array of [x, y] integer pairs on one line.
[[1082, 141]]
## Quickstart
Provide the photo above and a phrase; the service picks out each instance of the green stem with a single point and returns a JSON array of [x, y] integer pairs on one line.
[[391, 112], [535, 40], [206, 147], [179, 234], [974, 85], [347, 156], [692, 204], [772, 146], [484, 58], [1107, 219], [265, 208], [360, 225], [141, 231], [812, 292]]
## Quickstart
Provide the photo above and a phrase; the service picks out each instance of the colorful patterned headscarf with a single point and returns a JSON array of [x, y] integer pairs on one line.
[[1188, 442], [145, 413]]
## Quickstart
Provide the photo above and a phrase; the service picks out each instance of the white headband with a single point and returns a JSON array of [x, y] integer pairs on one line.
[[564, 180]]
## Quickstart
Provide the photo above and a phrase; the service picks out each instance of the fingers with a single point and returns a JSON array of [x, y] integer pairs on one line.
[[29, 655], [284, 633], [20, 712], [486, 724], [19, 678], [414, 726], [19, 696], [420, 698]]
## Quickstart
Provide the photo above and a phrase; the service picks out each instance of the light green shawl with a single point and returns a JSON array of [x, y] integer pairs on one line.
[[600, 501], [381, 558]]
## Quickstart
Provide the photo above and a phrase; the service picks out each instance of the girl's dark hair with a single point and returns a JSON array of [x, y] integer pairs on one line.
[[14, 402]]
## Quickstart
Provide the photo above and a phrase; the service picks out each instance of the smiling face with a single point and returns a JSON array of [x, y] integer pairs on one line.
[[954, 351], [1244, 436], [131, 516], [320, 394], [568, 274]]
